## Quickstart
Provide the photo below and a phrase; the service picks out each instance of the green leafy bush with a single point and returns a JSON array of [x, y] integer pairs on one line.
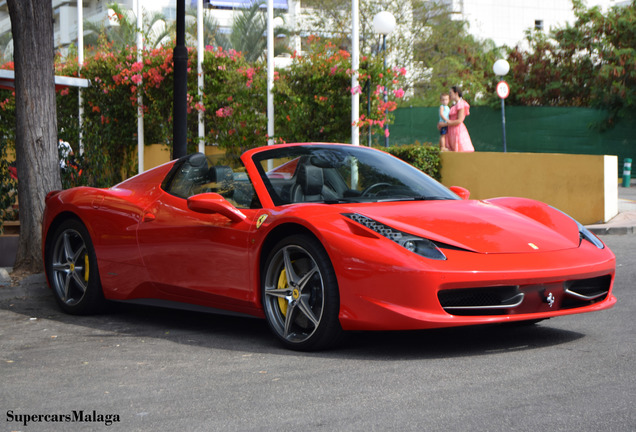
[[424, 157]]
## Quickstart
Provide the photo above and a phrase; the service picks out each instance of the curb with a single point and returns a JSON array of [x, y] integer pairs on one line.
[[619, 230]]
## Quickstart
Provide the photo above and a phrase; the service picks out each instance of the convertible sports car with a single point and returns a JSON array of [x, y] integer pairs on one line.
[[320, 239]]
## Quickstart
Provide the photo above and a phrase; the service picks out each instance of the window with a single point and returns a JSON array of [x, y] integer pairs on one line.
[[196, 174], [538, 25]]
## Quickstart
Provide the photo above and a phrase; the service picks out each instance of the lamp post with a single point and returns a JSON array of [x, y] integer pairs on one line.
[[501, 68], [180, 107], [355, 65], [384, 23]]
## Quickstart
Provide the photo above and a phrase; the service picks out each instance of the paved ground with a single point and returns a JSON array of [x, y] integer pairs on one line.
[[159, 370]]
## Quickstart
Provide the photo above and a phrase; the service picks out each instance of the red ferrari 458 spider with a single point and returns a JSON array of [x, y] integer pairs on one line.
[[319, 239]]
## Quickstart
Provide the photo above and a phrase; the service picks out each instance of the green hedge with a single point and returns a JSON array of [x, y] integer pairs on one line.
[[424, 157]]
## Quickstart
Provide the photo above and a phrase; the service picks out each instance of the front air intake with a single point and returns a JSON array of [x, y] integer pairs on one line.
[[481, 301]]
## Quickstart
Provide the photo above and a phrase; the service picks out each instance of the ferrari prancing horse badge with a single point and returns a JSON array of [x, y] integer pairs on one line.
[[260, 220]]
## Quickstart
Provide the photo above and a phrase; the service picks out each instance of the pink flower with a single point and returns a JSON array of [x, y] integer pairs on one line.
[[357, 89], [136, 79], [136, 67], [399, 93], [224, 112], [386, 132], [199, 107]]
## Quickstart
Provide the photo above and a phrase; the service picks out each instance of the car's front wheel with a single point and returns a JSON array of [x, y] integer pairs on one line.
[[300, 294], [71, 267]]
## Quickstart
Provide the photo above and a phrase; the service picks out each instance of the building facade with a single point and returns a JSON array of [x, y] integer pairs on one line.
[[506, 21]]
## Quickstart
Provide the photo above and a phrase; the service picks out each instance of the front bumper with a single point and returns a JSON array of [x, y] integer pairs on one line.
[[402, 292]]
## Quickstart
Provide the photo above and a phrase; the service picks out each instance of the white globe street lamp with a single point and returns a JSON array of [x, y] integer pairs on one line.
[[384, 23], [278, 22], [501, 68]]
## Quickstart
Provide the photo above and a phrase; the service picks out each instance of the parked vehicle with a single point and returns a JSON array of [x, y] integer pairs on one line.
[[319, 239]]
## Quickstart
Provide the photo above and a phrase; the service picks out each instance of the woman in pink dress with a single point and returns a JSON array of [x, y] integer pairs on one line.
[[457, 137]]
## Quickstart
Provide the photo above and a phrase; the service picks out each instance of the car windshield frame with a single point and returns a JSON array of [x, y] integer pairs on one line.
[[342, 173]]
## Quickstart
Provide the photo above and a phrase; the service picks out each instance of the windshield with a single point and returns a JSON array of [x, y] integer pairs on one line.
[[343, 173]]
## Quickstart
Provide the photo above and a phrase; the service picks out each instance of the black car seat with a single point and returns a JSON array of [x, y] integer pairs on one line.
[[310, 185]]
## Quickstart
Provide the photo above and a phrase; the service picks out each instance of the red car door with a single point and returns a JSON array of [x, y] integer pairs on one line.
[[196, 257]]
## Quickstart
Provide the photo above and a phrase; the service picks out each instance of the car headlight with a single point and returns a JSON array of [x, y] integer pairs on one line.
[[418, 245], [584, 233]]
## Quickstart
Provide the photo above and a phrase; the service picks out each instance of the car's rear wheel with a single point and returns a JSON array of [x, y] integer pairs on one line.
[[71, 267], [300, 294]]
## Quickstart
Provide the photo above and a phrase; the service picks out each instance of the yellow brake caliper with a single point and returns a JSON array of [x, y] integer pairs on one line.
[[282, 284], [86, 267]]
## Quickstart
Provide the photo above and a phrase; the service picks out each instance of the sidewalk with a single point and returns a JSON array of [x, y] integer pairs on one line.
[[625, 221]]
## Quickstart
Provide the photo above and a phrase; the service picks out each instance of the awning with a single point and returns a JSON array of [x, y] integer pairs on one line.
[[7, 78]]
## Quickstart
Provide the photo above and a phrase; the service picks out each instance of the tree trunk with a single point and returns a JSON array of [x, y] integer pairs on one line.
[[36, 122]]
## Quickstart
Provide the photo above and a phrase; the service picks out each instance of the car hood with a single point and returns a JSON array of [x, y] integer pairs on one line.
[[480, 226]]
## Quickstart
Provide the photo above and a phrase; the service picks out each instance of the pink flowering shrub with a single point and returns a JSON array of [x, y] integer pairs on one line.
[[312, 102], [235, 100], [7, 145], [233, 105], [313, 96]]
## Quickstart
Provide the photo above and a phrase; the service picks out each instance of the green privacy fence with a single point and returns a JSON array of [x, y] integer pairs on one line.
[[528, 129]]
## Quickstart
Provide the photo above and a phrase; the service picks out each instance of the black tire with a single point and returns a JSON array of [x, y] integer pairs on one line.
[[300, 294], [71, 267]]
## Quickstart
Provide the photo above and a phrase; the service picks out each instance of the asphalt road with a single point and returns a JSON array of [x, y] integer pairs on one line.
[[160, 370]]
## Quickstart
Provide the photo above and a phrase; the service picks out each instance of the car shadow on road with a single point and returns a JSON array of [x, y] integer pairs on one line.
[[251, 335], [457, 342]]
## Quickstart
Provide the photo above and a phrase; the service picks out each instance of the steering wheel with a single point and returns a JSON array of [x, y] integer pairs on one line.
[[373, 186]]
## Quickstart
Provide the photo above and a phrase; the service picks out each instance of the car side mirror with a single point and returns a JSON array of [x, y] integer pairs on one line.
[[211, 202], [463, 193]]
